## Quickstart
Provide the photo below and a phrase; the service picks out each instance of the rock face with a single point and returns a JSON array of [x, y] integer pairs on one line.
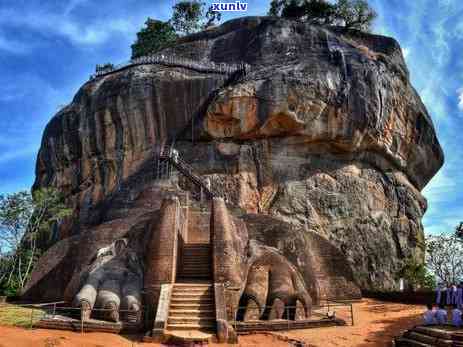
[[324, 133]]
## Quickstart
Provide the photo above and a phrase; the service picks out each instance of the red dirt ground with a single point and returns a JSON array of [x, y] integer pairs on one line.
[[376, 323]]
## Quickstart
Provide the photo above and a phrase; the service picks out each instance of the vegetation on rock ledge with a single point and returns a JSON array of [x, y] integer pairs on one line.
[[26, 221]]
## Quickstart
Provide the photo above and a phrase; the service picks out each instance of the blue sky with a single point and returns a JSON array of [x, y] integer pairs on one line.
[[48, 48]]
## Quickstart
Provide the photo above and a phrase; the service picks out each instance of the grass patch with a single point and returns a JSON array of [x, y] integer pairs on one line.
[[19, 316]]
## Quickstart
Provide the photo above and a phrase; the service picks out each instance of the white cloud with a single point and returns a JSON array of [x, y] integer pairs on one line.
[[440, 187], [460, 98], [12, 46], [18, 154], [77, 32], [405, 52], [72, 5], [94, 34]]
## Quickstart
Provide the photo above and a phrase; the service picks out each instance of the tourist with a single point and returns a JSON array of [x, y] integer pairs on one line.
[[440, 295], [460, 295], [454, 294], [441, 314], [456, 316], [429, 316], [448, 300]]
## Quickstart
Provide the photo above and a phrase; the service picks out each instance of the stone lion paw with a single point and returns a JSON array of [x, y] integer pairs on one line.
[[274, 288], [113, 284]]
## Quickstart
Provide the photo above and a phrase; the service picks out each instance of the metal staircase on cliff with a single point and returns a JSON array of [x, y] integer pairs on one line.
[[168, 157]]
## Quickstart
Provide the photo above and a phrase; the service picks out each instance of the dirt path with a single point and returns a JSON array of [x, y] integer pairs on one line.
[[376, 323]]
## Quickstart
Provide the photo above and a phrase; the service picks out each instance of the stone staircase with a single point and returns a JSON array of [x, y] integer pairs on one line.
[[425, 336], [196, 263], [192, 307]]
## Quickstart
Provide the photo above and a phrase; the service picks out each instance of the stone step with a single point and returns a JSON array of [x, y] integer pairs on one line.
[[192, 257], [191, 295], [404, 342], [207, 325], [200, 268], [189, 320], [194, 299], [200, 251], [196, 261], [205, 335], [192, 306], [192, 290], [434, 331], [198, 312], [187, 284], [196, 276], [196, 248], [195, 270], [413, 335], [199, 291]]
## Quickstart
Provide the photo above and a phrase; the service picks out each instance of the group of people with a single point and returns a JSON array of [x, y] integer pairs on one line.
[[439, 315], [450, 297]]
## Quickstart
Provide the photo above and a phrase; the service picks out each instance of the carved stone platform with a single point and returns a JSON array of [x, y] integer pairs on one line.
[[92, 325], [437, 335], [281, 324]]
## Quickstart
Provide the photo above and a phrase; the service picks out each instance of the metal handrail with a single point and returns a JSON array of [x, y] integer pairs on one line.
[[211, 67], [167, 153]]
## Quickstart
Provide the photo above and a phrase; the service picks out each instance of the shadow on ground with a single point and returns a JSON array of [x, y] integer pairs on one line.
[[393, 326]]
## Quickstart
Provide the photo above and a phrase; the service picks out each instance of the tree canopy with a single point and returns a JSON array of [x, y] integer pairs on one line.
[[155, 36], [352, 14], [187, 17], [444, 257]]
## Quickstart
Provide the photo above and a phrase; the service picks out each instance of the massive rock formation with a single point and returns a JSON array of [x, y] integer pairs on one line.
[[323, 133]]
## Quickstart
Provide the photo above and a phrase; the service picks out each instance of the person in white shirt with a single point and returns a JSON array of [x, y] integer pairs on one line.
[[448, 297], [456, 316], [440, 295], [460, 295], [441, 315], [429, 316], [454, 294]]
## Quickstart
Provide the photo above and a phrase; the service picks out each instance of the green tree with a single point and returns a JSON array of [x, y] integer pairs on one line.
[[24, 220], [212, 17], [355, 14], [417, 275], [155, 36], [459, 231], [444, 257], [187, 17], [352, 14]]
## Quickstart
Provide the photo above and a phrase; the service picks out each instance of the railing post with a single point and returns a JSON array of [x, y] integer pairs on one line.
[[81, 320], [32, 316], [352, 313], [54, 309], [287, 315]]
